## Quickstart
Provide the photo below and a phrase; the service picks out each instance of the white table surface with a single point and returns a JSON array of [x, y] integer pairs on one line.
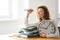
[[6, 37]]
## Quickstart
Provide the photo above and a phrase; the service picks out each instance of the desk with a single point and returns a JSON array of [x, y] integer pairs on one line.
[[8, 37], [38, 38]]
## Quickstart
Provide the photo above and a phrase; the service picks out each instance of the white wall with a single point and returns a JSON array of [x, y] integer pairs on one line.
[[59, 12], [10, 26], [7, 27]]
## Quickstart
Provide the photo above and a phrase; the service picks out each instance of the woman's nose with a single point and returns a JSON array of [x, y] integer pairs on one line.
[[39, 13]]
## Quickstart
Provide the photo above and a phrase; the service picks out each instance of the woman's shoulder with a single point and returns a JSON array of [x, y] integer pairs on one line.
[[46, 21], [51, 20]]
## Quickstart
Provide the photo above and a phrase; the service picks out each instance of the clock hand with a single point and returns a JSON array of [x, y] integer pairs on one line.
[[43, 28], [48, 26]]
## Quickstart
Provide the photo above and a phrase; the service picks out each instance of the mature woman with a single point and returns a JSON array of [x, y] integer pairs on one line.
[[45, 25]]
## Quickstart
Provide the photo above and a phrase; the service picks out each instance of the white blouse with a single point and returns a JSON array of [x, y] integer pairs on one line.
[[46, 26]]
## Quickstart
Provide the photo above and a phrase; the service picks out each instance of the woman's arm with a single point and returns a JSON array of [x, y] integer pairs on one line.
[[29, 11], [26, 19]]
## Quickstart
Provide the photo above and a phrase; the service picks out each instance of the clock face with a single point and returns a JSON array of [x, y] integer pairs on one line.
[[51, 29], [47, 27]]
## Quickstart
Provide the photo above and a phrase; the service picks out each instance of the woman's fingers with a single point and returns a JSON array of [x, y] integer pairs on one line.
[[29, 11], [42, 35]]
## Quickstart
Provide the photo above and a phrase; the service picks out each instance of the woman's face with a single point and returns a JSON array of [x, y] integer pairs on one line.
[[40, 12]]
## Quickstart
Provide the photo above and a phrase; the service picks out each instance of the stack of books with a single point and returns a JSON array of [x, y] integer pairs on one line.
[[29, 32]]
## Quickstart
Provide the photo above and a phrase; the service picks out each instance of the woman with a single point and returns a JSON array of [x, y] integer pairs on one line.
[[45, 25]]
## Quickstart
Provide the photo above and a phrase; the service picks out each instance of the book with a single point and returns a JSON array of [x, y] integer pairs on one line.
[[29, 35], [28, 32]]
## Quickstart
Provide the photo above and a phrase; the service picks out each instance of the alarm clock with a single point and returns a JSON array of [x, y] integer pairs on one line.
[[47, 27]]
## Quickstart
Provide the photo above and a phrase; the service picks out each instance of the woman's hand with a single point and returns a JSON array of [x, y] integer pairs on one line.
[[29, 11], [43, 35]]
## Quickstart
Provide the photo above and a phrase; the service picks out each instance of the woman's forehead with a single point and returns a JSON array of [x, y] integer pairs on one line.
[[40, 9]]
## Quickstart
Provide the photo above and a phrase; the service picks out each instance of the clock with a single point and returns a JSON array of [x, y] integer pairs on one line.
[[47, 27], [51, 28]]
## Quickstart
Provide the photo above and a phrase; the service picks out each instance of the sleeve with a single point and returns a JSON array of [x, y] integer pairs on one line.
[[26, 21], [56, 35]]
